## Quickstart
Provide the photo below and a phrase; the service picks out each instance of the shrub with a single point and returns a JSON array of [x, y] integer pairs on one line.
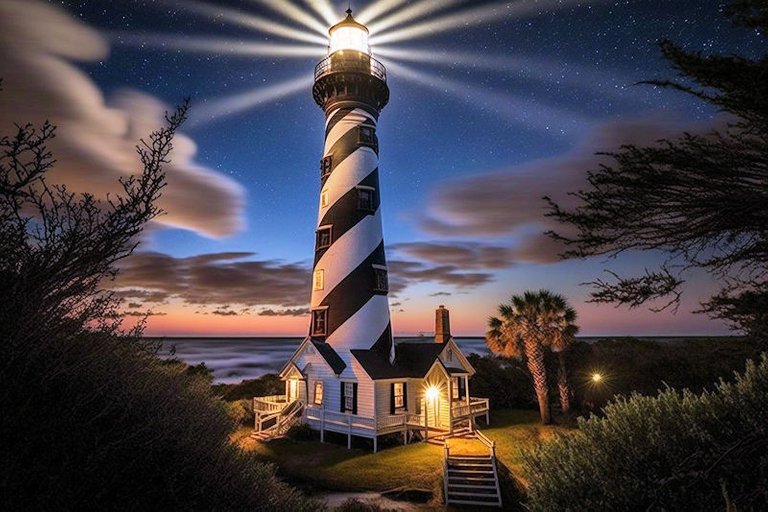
[[93, 422], [241, 412], [675, 451], [300, 432], [506, 382]]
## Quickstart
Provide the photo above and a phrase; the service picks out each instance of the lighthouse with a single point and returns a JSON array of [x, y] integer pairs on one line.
[[348, 376], [349, 306]]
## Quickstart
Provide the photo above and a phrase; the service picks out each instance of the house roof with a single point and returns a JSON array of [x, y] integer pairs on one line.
[[411, 360], [333, 359]]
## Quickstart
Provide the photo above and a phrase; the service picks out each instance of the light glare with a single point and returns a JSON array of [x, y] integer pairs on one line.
[[237, 103], [432, 393], [521, 111], [474, 16], [251, 21], [214, 45]]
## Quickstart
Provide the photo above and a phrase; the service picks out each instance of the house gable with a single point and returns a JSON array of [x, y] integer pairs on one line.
[[457, 361]]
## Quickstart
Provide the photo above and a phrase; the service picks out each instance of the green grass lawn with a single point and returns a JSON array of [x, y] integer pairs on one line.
[[416, 466]]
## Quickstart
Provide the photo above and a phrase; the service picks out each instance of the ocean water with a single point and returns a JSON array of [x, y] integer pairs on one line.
[[236, 359]]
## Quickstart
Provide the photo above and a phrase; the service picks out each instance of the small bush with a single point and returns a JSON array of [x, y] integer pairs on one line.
[[241, 412], [506, 382], [675, 451], [300, 432]]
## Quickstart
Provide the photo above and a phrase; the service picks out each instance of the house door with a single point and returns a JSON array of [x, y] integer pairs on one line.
[[431, 408], [293, 390]]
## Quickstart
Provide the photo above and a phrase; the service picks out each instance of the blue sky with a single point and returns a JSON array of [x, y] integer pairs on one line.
[[524, 99]]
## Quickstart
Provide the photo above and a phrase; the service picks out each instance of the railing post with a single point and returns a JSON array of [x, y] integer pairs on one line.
[[349, 432], [322, 426]]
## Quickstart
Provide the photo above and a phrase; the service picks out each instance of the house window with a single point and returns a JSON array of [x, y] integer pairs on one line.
[[319, 392], [365, 199], [323, 238], [367, 135], [326, 165], [349, 396], [319, 322], [380, 280], [449, 355], [324, 199], [455, 389], [399, 400], [318, 279]]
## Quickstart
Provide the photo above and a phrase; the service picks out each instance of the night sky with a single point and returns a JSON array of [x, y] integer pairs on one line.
[[486, 116]]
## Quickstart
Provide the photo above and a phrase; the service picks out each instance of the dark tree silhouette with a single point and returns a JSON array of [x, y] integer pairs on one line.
[[701, 199], [91, 418], [57, 248]]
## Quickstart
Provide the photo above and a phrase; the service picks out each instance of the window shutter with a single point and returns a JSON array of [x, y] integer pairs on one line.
[[405, 396], [341, 402], [354, 398], [450, 389], [392, 398]]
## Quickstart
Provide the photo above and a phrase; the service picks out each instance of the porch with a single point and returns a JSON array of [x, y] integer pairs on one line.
[[278, 412]]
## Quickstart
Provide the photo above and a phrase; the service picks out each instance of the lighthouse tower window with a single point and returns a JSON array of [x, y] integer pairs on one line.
[[380, 280], [325, 166], [365, 199], [367, 136], [324, 237], [324, 199], [320, 322], [319, 279]]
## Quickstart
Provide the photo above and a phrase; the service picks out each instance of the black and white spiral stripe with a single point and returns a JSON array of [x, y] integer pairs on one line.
[[358, 316]]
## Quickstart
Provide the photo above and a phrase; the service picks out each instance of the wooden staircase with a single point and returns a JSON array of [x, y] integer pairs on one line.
[[472, 480], [284, 420]]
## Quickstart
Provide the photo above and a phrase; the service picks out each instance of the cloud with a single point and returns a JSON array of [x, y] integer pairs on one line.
[[224, 313], [404, 273], [440, 294], [96, 137], [462, 254], [219, 280], [508, 203], [144, 313], [285, 312], [228, 280]]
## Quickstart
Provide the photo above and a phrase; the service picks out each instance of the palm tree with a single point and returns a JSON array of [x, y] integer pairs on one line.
[[561, 320], [527, 326]]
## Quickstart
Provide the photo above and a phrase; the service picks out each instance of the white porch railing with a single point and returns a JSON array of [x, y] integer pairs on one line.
[[269, 404], [475, 407]]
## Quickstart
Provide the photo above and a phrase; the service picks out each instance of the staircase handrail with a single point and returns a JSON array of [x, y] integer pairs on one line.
[[486, 441], [445, 470]]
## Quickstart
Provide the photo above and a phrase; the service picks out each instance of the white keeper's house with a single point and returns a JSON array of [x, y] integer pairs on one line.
[[348, 375]]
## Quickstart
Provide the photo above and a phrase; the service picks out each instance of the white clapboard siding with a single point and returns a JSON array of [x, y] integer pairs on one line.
[[315, 368], [383, 392]]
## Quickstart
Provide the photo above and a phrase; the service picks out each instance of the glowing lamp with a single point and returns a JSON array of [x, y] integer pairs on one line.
[[348, 34], [597, 377], [432, 393]]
